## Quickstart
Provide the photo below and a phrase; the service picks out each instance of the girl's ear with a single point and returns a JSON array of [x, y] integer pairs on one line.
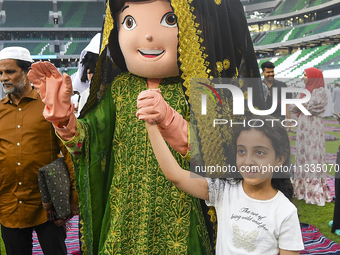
[[281, 159]]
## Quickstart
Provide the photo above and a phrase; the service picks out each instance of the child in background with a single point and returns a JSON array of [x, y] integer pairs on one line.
[[255, 214]]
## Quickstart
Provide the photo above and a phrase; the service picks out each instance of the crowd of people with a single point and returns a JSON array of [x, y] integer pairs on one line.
[[126, 133]]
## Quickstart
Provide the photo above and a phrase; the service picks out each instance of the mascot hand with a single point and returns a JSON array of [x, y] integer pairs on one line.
[[55, 91], [172, 125], [152, 107]]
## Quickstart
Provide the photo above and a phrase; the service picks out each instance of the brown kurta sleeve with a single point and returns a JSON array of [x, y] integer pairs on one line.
[[74, 194]]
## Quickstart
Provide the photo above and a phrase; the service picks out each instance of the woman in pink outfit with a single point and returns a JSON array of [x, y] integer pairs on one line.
[[310, 176]]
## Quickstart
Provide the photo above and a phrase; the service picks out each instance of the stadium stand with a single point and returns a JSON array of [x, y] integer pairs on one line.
[[36, 13], [26, 13], [56, 30], [289, 6], [87, 14], [254, 2], [296, 35], [317, 2], [293, 66]]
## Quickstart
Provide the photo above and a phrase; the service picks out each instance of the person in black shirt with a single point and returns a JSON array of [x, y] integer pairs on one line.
[[268, 84]]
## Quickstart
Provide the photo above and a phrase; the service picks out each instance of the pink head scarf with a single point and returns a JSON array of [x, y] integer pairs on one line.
[[315, 79]]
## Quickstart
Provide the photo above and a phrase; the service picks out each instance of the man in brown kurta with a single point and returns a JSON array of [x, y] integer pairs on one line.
[[27, 142]]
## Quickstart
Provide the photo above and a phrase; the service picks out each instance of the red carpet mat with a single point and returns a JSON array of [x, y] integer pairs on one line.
[[316, 243]]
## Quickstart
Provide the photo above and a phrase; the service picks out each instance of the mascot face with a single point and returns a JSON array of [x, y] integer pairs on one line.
[[147, 35]]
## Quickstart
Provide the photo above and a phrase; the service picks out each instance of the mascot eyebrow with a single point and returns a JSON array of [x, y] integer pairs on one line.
[[124, 8]]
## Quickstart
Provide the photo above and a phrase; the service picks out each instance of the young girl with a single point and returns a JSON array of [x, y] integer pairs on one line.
[[254, 212]]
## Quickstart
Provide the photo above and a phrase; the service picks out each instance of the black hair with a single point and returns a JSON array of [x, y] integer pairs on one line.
[[24, 65], [89, 63], [278, 136], [267, 64]]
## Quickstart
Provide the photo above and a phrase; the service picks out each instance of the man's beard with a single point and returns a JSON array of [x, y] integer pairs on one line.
[[270, 79], [20, 85]]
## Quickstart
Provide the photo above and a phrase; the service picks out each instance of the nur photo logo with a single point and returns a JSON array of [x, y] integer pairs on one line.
[[214, 91]]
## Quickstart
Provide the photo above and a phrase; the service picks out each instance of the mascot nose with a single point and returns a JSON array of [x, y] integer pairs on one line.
[[148, 37]]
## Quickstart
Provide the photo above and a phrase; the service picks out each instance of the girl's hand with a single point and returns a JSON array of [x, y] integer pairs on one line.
[[190, 183], [149, 125], [285, 252], [154, 110]]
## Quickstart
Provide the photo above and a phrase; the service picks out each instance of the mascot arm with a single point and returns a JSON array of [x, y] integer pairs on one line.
[[174, 130], [55, 91]]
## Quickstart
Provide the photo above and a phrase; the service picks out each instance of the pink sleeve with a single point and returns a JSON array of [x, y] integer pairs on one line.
[[67, 132]]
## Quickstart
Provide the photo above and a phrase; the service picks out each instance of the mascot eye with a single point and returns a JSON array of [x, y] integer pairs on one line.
[[129, 23], [169, 20]]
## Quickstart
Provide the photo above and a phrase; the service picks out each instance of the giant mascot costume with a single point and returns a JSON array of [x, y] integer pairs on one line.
[[126, 203]]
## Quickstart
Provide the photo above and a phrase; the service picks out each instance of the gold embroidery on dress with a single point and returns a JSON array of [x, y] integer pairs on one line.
[[103, 164], [189, 48], [108, 26], [81, 230], [235, 76], [240, 83], [170, 218], [213, 219], [194, 65], [226, 64], [219, 67]]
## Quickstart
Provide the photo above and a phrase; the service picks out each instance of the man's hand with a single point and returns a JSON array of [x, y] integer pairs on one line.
[[55, 91]]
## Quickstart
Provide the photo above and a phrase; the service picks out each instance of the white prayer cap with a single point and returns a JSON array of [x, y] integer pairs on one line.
[[19, 53]]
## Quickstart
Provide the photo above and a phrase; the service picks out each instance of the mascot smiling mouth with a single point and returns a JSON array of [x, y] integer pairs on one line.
[[151, 53]]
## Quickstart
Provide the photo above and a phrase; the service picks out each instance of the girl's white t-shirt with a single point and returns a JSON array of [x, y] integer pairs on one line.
[[249, 226]]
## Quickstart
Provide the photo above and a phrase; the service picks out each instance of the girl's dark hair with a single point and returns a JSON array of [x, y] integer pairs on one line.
[[277, 134]]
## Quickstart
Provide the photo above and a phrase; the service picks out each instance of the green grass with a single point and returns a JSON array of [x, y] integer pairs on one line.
[[2, 246], [318, 216]]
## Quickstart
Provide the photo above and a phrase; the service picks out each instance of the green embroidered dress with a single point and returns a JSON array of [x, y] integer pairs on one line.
[[127, 204]]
